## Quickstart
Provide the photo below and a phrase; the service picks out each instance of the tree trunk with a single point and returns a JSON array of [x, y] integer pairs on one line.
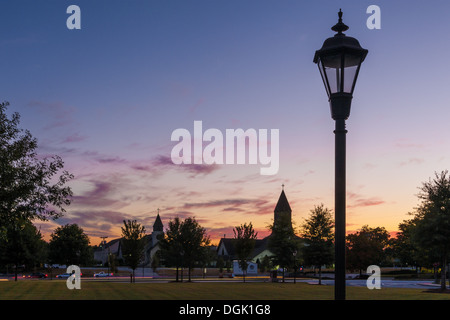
[[320, 274], [443, 280], [435, 271]]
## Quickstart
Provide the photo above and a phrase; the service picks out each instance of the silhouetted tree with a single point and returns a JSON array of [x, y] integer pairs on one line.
[[366, 247], [194, 242], [220, 264], [318, 236], [245, 237], [171, 246], [265, 264], [283, 242], [184, 244], [30, 187], [133, 243], [69, 245], [23, 245], [432, 230], [404, 248]]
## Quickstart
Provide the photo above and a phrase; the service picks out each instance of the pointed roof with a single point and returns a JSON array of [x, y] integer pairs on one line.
[[158, 225], [283, 204], [230, 246]]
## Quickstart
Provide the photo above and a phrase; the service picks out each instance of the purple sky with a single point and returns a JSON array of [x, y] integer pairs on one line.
[[107, 98]]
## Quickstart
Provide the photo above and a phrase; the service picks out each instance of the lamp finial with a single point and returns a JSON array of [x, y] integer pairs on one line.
[[340, 26]]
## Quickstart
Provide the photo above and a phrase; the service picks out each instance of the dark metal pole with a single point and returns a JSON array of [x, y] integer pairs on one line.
[[339, 211]]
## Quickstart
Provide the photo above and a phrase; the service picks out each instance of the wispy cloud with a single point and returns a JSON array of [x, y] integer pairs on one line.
[[99, 196], [366, 202], [164, 162], [96, 223], [412, 161], [104, 158], [406, 144], [357, 200], [58, 113], [249, 206], [74, 138], [194, 108]]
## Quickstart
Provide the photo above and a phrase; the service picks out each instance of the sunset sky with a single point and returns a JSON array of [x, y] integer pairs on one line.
[[107, 97]]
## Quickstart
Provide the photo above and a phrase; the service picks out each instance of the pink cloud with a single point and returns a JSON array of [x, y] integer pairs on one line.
[[412, 161], [247, 206], [356, 200], [100, 196], [366, 203], [165, 162], [74, 138]]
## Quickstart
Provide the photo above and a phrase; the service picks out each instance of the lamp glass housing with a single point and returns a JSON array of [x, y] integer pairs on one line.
[[339, 72]]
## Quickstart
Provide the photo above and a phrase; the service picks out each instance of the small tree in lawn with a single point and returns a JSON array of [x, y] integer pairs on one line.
[[133, 243], [318, 236], [194, 242], [283, 242], [184, 244], [171, 246], [245, 237]]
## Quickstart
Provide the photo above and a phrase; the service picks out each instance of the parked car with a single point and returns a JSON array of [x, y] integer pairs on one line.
[[39, 275], [102, 274]]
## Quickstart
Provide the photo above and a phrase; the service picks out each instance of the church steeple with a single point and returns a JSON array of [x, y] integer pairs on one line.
[[282, 204], [282, 209], [158, 225]]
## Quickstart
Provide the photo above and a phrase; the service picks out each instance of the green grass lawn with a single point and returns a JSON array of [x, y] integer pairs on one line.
[[99, 290]]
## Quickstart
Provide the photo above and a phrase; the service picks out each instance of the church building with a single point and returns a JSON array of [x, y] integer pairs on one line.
[[226, 247], [115, 246]]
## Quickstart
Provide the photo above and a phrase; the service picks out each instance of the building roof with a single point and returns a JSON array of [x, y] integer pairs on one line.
[[283, 204], [282, 208], [158, 225], [229, 244]]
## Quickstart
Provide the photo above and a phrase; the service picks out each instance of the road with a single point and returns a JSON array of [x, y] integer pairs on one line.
[[385, 283]]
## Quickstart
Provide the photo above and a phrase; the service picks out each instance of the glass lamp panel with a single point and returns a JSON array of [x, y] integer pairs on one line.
[[324, 77], [349, 79], [332, 67], [351, 64], [334, 76]]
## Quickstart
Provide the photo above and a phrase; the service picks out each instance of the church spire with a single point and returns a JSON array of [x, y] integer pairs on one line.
[[158, 225], [283, 212], [282, 204]]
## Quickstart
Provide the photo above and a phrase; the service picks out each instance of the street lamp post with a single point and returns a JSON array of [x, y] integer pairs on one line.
[[339, 61]]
